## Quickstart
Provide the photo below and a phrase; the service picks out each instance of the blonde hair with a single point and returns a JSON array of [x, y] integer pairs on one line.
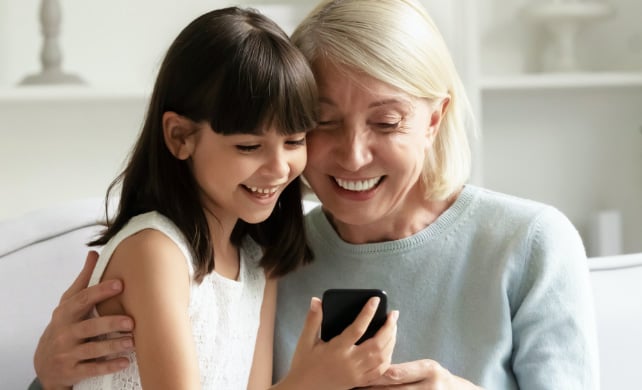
[[397, 42]]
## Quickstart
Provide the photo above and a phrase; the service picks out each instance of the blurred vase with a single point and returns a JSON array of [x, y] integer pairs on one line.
[[562, 20], [51, 54]]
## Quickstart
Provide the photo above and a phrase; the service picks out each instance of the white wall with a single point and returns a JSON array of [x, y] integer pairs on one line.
[[110, 43], [58, 144], [582, 157], [53, 151], [72, 145], [119, 43], [65, 143]]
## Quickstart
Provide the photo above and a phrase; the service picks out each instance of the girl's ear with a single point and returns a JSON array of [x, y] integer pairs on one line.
[[179, 134]]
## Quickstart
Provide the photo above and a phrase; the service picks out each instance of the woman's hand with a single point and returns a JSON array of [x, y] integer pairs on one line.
[[421, 375], [339, 363], [64, 354]]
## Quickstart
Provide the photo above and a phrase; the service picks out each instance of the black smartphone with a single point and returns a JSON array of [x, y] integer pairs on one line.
[[342, 306]]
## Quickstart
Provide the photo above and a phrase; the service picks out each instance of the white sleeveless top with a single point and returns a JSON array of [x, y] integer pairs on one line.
[[224, 313]]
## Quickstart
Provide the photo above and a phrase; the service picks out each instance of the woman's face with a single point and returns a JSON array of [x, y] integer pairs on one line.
[[366, 156]]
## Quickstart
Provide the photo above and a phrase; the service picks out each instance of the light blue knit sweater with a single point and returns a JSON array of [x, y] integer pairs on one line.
[[496, 290]]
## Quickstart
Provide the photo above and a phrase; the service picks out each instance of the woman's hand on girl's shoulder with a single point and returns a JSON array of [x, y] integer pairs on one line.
[[339, 363]]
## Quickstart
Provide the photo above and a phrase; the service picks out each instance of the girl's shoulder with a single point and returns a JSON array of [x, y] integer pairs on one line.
[[148, 247], [150, 264], [145, 242]]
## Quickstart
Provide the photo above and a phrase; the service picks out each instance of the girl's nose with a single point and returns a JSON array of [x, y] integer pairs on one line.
[[277, 164]]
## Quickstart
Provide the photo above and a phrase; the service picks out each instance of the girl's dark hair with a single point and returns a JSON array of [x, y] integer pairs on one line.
[[236, 70]]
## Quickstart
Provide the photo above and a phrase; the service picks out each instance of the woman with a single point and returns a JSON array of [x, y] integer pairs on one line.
[[492, 287], [492, 290]]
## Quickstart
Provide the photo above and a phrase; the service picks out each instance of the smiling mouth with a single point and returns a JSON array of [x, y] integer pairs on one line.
[[261, 192], [358, 185]]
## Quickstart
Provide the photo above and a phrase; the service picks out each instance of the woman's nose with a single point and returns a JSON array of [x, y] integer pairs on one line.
[[354, 150]]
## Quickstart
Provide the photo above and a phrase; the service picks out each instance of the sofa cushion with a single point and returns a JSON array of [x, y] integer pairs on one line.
[[40, 255], [617, 293]]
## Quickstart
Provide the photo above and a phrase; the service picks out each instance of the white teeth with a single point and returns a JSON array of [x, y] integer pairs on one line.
[[358, 185], [265, 191]]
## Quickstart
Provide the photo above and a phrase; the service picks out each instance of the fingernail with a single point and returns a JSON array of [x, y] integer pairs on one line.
[[314, 304], [395, 315], [375, 302], [123, 364], [127, 325], [116, 285]]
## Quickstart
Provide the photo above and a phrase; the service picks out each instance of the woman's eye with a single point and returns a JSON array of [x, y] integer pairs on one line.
[[247, 148], [326, 123], [387, 126]]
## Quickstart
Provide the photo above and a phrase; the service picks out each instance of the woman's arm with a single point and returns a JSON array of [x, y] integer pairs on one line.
[[554, 331], [64, 354], [553, 327], [261, 374], [156, 295]]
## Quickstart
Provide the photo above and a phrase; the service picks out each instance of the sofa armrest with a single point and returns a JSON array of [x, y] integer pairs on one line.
[[617, 294], [40, 254]]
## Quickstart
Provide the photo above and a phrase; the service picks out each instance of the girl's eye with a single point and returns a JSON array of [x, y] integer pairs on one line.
[[296, 142], [247, 148]]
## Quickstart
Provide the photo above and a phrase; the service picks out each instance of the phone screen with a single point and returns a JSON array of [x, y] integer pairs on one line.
[[342, 306]]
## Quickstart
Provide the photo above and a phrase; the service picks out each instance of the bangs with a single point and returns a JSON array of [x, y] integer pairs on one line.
[[265, 83]]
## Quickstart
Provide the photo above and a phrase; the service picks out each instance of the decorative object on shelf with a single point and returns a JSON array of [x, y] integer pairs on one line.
[[563, 19], [605, 233], [51, 55]]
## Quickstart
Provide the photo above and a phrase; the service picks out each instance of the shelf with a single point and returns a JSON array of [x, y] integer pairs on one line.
[[561, 80], [69, 93]]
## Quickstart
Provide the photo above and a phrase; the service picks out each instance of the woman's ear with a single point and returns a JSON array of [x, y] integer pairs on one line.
[[439, 111], [179, 134]]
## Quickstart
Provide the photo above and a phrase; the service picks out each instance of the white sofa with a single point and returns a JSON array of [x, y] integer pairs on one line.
[[617, 293], [42, 252]]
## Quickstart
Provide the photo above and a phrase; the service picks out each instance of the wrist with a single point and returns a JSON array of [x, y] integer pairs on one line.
[[291, 382]]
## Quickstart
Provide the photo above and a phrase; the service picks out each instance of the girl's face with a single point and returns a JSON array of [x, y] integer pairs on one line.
[[368, 151], [242, 175]]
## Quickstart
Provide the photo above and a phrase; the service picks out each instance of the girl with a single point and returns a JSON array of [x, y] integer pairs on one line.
[[210, 213]]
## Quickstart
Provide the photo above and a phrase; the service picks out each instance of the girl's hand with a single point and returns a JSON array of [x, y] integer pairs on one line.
[[421, 375], [339, 363]]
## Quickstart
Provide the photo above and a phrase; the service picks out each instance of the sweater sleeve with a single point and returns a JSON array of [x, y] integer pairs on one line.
[[553, 322], [35, 385]]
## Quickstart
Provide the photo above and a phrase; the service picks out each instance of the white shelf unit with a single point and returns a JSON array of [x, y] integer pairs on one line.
[[70, 93], [561, 81], [570, 139]]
